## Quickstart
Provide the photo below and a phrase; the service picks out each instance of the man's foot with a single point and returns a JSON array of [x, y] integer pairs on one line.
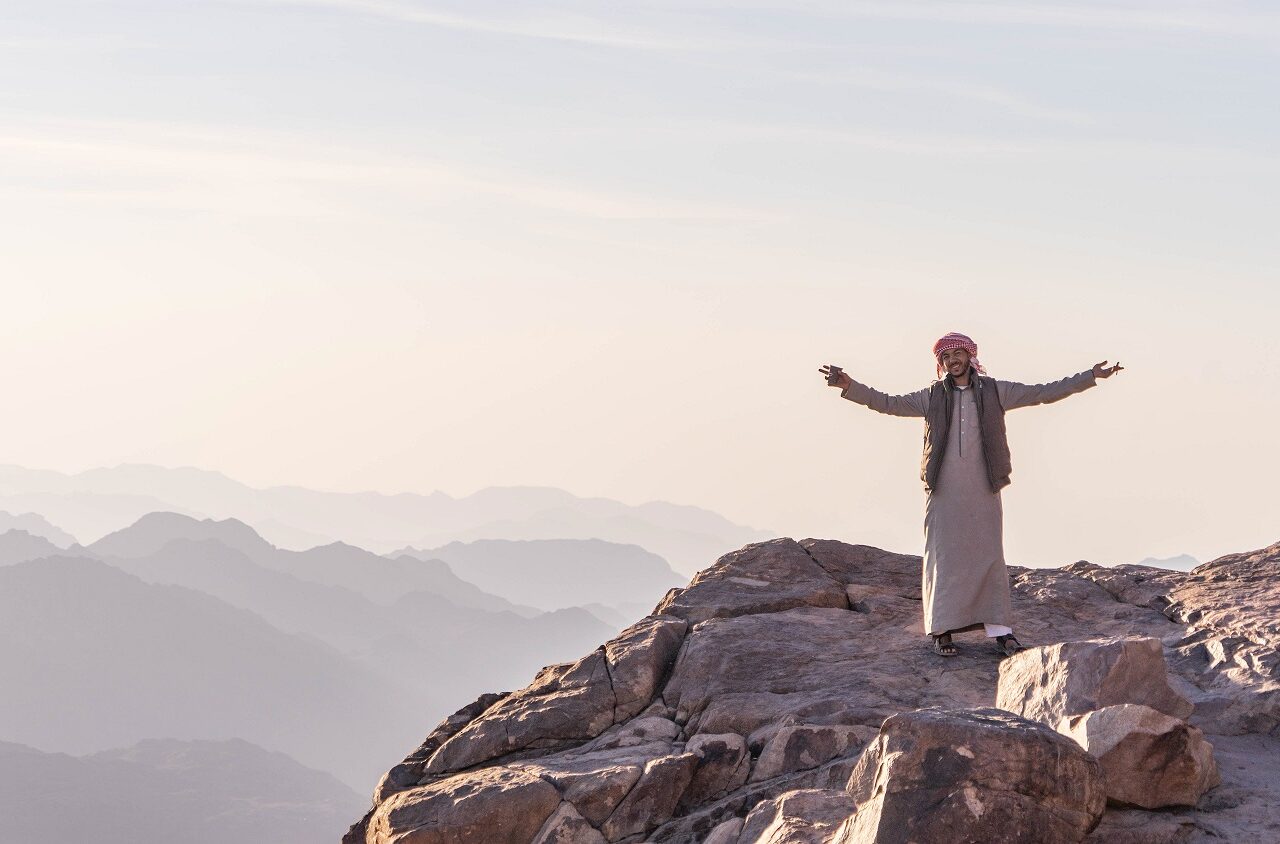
[[942, 645], [1008, 645]]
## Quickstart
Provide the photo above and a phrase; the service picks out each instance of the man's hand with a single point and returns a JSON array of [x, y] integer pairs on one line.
[[835, 376], [1101, 370]]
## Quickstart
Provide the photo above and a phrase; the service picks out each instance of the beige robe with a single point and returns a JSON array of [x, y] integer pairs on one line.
[[964, 582]]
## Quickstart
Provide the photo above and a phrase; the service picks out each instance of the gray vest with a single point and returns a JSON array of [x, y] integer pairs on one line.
[[937, 425]]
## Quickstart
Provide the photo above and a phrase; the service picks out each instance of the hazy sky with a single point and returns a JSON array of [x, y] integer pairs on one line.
[[398, 245]]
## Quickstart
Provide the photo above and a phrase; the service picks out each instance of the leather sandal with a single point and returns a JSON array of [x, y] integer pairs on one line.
[[1008, 645], [942, 645]]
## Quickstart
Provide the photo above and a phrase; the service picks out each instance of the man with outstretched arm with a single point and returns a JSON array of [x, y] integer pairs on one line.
[[965, 584]]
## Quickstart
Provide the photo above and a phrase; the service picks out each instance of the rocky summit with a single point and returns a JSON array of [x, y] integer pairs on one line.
[[788, 694]]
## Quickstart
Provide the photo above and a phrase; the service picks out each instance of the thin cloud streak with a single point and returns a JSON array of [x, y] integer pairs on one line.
[[949, 145], [566, 28], [1004, 100], [204, 169], [171, 166], [1156, 16]]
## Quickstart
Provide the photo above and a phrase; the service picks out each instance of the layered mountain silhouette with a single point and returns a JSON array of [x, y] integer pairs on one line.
[[555, 573], [36, 525], [337, 564], [196, 792], [94, 658], [1181, 562], [17, 545], [449, 634], [94, 503], [151, 629]]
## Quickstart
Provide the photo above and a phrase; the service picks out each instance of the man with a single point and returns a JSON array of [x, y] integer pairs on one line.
[[965, 465]]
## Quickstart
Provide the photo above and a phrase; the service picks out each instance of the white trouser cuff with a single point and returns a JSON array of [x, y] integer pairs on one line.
[[994, 630]]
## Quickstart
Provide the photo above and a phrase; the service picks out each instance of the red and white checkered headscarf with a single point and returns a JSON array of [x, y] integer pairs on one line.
[[956, 340]]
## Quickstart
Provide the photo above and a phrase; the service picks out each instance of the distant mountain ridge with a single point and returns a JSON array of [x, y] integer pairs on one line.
[[1182, 562], [196, 792], [36, 525], [18, 546], [91, 504], [154, 530], [93, 658], [555, 573], [359, 618], [458, 636], [336, 564]]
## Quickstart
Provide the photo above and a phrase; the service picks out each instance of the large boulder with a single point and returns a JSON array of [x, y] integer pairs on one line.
[[1048, 683], [494, 805], [799, 746], [639, 659], [1236, 594], [595, 781], [723, 766], [697, 824], [811, 665], [1228, 608], [570, 703], [726, 832], [410, 771], [869, 568], [566, 826], [761, 577], [1138, 827], [654, 798], [646, 729], [980, 775], [565, 704], [806, 816], [1149, 759]]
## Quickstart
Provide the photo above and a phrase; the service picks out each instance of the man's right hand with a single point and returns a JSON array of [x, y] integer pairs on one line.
[[835, 376]]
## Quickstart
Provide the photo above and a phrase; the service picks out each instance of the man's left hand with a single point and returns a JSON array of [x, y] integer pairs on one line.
[[1101, 370]]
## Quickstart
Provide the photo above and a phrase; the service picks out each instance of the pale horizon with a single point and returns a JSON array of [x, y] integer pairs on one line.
[[412, 246], [459, 496]]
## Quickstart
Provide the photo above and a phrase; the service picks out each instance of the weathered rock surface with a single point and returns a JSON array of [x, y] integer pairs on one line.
[[1135, 827], [495, 805], [699, 823], [638, 660], [569, 703], [1246, 807], [409, 772], [725, 833], [784, 652], [566, 826], [805, 816], [980, 775], [738, 585], [724, 763], [1148, 758], [1230, 649], [803, 746], [1048, 683], [595, 781], [654, 797]]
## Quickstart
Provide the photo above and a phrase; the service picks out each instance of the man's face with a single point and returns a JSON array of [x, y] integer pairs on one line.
[[955, 362]]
